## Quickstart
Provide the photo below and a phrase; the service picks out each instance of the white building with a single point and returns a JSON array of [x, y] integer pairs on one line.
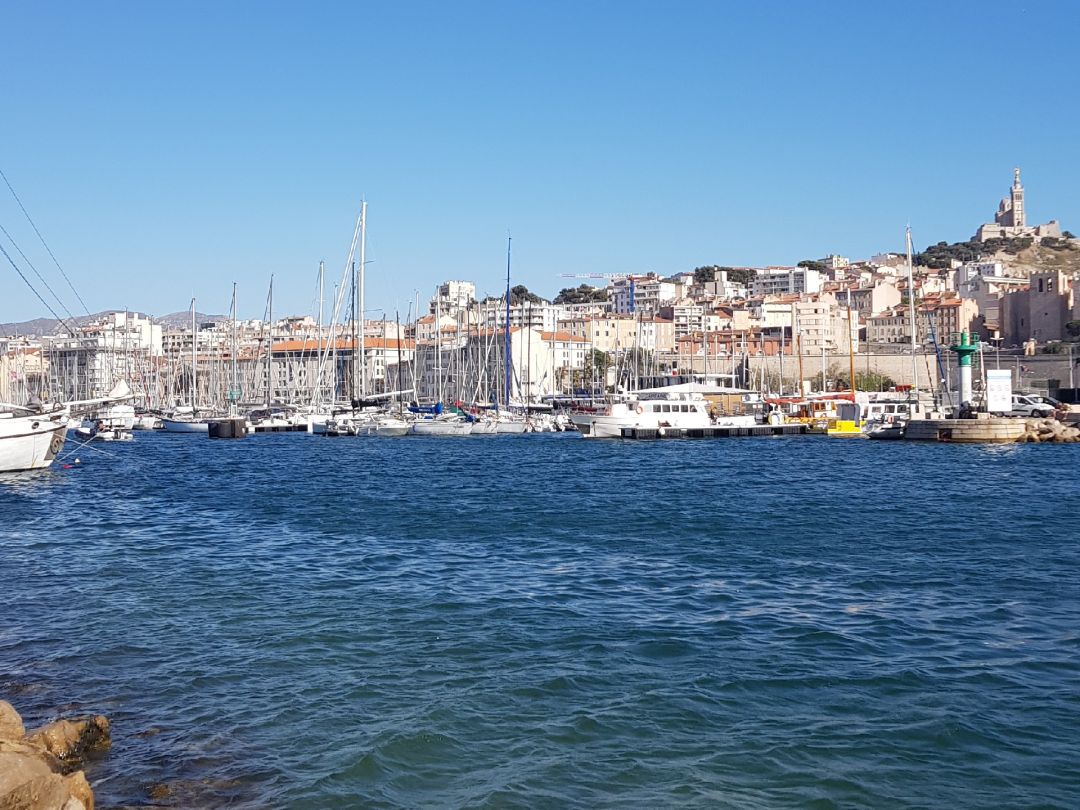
[[785, 281], [543, 316], [634, 294], [452, 296]]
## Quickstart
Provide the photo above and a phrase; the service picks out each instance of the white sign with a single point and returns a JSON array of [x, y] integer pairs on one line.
[[999, 390]]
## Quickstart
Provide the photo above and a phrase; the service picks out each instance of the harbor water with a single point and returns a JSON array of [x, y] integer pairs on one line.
[[541, 621]]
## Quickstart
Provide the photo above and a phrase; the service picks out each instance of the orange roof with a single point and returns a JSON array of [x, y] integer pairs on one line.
[[341, 344], [565, 337]]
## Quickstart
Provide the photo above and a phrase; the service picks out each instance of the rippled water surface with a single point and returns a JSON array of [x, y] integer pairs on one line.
[[543, 621]]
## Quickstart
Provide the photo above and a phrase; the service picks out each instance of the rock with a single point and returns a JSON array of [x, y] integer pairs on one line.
[[11, 724], [34, 769], [70, 739], [46, 792], [17, 768], [79, 789]]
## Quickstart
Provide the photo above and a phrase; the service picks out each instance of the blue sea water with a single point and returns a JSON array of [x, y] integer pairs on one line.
[[543, 621]]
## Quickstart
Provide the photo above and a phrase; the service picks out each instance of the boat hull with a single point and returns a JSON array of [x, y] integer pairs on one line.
[[184, 426], [434, 427], [31, 442]]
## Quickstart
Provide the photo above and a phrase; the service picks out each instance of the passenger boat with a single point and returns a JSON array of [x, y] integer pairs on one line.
[[654, 409]]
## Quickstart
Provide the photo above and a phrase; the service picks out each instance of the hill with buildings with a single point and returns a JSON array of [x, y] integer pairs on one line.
[[39, 327]]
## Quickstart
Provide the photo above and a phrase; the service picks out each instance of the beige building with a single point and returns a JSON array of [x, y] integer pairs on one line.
[[1039, 312], [610, 333]]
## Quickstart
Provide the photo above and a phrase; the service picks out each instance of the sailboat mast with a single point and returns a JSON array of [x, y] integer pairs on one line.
[[911, 306], [194, 359], [400, 385], [270, 346], [507, 365], [235, 392], [360, 298]]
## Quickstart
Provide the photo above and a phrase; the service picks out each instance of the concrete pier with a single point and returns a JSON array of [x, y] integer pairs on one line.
[[993, 430]]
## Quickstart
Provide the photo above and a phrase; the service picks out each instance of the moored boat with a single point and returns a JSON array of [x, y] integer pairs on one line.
[[31, 438]]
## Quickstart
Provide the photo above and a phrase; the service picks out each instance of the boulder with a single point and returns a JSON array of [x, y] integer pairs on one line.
[[70, 739], [11, 725], [34, 769]]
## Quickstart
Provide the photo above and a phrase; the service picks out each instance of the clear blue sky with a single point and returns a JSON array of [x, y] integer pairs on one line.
[[168, 149]]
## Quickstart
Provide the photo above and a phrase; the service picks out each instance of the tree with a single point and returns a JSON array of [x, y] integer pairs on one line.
[[598, 362], [521, 293], [1073, 328], [709, 272], [813, 264], [582, 294]]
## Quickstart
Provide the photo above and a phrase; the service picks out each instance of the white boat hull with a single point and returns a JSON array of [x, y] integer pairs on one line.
[[435, 427], [31, 442], [185, 426], [510, 427]]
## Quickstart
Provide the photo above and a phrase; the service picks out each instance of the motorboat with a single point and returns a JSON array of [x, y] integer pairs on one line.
[[657, 409]]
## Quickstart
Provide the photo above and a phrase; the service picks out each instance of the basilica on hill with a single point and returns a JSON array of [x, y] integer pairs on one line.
[[1010, 221]]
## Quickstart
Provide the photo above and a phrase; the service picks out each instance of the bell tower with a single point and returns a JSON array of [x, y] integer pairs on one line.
[[1017, 199]]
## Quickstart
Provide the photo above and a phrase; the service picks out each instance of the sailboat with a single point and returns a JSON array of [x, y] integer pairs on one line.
[[187, 420], [32, 436]]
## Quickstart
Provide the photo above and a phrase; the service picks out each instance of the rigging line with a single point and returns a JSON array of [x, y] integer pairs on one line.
[[36, 273], [33, 289], [42, 238]]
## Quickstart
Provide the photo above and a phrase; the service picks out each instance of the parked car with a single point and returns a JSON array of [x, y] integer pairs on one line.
[[1026, 405]]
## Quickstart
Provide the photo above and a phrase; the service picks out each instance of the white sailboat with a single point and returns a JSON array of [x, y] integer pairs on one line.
[[30, 438], [188, 420]]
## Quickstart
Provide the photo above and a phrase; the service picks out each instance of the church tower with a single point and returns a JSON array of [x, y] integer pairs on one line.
[[1017, 197]]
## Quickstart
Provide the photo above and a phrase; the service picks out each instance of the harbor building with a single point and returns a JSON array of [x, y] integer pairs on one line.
[[1040, 311]]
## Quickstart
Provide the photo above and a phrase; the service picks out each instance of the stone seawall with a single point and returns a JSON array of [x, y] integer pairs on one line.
[[966, 431]]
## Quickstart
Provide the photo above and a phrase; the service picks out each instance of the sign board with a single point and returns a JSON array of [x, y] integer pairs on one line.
[[999, 390]]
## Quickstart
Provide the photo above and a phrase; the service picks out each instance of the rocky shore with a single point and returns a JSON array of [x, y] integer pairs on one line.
[[41, 770], [1049, 430]]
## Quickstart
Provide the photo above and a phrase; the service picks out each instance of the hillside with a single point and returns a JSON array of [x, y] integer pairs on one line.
[[39, 327]]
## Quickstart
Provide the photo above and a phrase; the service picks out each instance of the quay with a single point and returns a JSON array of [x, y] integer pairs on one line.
[[713, 432]]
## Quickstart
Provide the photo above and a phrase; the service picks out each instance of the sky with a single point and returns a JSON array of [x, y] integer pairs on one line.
[[167, 150]]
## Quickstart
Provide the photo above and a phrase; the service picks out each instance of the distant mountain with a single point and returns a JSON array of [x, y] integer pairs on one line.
[[50, 326]]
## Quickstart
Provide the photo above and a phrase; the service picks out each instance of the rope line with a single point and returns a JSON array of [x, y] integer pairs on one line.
[[36, 273], [42, 238]]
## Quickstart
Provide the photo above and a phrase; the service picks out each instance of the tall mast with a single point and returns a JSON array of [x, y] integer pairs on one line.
[[400, 386], [235, 392], [194, 359], [270, 345], [911, 306], [507, 365], [360, 299]]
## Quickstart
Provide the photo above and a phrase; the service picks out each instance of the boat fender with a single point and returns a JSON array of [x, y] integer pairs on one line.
[[639, 409], [56, 443]]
